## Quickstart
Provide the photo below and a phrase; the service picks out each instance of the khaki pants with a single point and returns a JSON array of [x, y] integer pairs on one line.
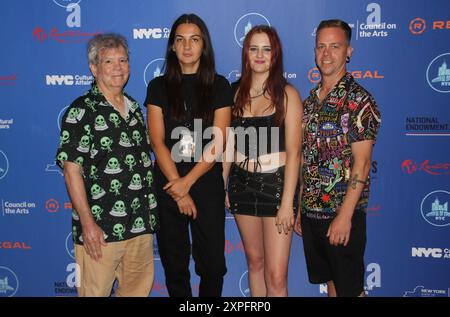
[[130, 262]]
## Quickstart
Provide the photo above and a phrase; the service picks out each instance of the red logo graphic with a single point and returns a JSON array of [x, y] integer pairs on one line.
[[361, 74], [314, 75], [441, 25], [14, 245], [229, 247], [410, 167], [67, 205], [8, 80], [64, 37], [417, 26], [374, 210], [52, 205], [161, 289]]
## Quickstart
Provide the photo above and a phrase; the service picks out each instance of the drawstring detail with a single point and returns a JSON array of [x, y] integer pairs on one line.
[[244, 165]]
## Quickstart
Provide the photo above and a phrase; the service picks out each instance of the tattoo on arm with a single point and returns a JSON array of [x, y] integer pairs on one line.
[[355, 180]]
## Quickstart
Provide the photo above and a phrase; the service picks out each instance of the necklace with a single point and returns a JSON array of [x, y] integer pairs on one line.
[[256, 96], [258, 93]]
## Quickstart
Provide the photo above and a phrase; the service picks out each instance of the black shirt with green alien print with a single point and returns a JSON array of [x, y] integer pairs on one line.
[[114, 154]]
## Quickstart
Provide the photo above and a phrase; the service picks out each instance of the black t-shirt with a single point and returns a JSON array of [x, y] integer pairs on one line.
[[157, 95]]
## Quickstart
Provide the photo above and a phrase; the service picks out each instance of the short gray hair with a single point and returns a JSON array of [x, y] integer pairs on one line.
[[104, 41]]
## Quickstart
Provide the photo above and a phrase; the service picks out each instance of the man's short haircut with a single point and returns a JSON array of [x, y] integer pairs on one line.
[[336, 23]]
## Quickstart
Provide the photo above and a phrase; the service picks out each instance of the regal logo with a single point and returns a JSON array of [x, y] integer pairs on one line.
[[315, 77], [359, 74], [52, 205], [417, 26], [441, 25], [7, 245]]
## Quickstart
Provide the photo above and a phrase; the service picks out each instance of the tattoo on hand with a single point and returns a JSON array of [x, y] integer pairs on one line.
[[355, 180]]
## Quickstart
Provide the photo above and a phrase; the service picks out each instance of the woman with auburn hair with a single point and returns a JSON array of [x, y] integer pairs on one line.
[[264, 149]]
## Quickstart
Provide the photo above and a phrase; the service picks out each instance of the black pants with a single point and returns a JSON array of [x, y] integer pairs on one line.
[[208, 243]]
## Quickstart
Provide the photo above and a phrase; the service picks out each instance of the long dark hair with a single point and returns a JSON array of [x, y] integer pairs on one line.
[[275, 83], [206, 73]]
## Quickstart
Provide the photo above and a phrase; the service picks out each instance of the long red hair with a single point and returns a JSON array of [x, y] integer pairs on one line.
[[275, 84]]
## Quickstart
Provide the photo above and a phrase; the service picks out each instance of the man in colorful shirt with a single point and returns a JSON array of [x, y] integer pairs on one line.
[[340, 123], [104, 152]]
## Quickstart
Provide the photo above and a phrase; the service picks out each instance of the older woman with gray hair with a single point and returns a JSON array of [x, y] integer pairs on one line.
[[104, 153]]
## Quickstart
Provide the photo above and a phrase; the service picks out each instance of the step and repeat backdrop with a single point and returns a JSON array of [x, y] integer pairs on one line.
[[401, 55]]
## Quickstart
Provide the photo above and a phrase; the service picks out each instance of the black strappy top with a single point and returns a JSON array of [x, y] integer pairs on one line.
[[256, 136]]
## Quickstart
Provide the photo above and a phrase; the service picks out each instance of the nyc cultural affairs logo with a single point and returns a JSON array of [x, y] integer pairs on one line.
[[66, 3], [9, 283], [4, 164], [153, 69], [246, 23], [438, 73], [434, 208]]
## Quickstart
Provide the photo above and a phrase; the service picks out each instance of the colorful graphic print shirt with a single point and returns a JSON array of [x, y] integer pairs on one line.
[[347, 115], [117, 170]]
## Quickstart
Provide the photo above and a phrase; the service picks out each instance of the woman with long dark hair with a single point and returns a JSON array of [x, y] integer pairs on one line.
[[188, 102], [265, 146]]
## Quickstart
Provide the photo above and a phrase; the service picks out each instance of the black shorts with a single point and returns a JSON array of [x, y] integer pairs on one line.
[[342, 265], [257, 194]]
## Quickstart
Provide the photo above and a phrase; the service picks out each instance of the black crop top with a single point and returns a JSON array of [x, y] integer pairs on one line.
[[255, 136]]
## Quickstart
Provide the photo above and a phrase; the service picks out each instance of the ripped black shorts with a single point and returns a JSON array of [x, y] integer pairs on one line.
[[257, 194]]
